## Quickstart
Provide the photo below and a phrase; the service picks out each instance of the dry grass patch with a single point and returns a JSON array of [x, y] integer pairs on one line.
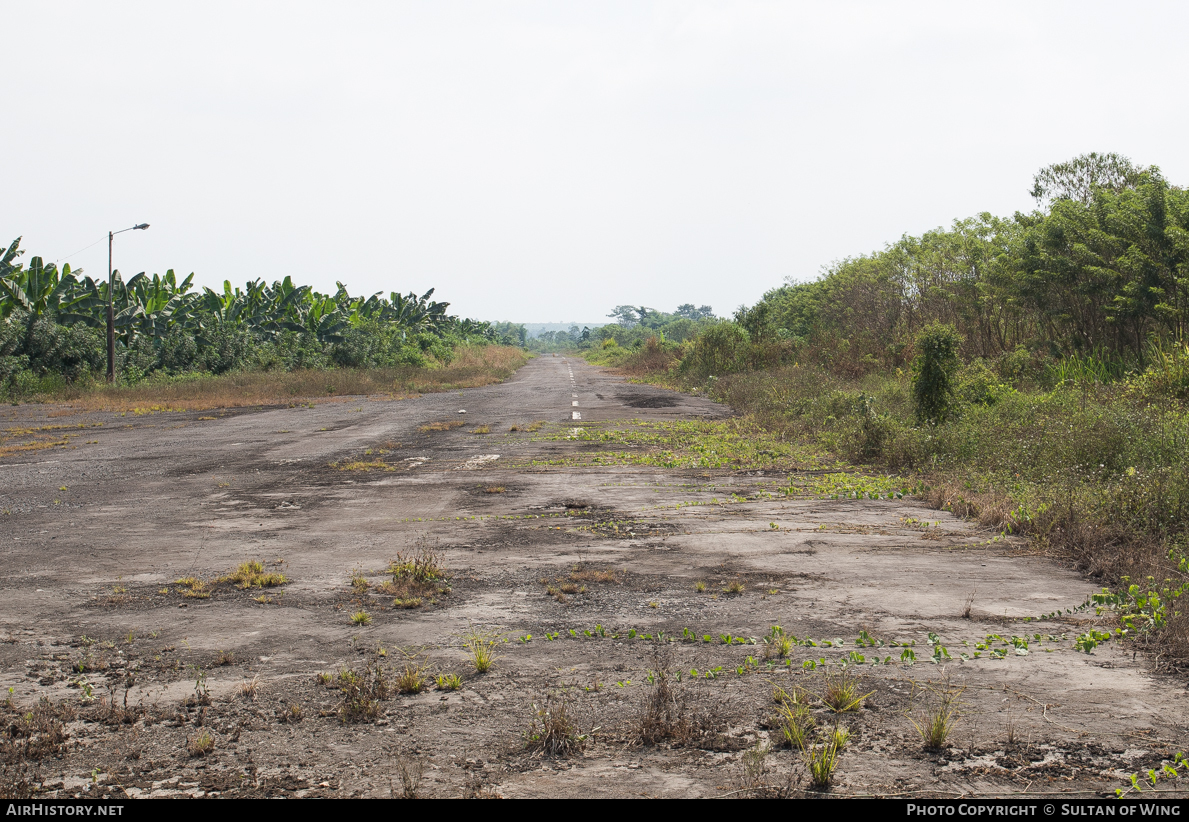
[[673, 712], [580, 573], [441, 426], [251, 574], [21, 440], [471, 367], [360, 465], [417, 576], [552, 730]]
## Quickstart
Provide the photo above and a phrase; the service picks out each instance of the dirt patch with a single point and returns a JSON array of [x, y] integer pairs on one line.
[[647, 401]]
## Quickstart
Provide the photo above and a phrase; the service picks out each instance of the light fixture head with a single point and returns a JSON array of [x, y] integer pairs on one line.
[[141, 226]]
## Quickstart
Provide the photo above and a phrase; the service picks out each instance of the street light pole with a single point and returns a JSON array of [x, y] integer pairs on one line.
[[111, 312]]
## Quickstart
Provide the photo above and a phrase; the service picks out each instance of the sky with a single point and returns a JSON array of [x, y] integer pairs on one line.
[[547, 161]]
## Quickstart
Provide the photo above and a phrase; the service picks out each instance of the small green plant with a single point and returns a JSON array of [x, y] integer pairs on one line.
[[822, 760], [202, 691], [201, 744], [777, 644], [411, 680], [736, 587], [1167, 770], [362, 693], [939, 716], [699, 586], [841, 692], [361, 618], [793, 717], [482, 645], [251, 574], [448, 682]]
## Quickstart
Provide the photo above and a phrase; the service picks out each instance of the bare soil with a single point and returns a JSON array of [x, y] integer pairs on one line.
[[122, 685]]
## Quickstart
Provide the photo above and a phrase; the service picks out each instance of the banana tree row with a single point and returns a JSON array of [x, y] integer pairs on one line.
[[154, 306]]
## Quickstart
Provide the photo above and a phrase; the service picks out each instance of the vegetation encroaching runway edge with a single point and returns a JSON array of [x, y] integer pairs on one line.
[[52, 340], [470, 366], [1034, 371]]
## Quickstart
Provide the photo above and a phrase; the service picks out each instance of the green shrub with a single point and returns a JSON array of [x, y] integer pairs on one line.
[[979, 385], [933, 372], [720, 349]]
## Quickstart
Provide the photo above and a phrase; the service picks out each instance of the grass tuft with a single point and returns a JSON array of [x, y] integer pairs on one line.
[[936, 720], [552, 730], [482, 644], [201, 744]]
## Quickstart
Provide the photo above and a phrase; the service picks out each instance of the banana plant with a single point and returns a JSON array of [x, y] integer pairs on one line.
[[35, 290]]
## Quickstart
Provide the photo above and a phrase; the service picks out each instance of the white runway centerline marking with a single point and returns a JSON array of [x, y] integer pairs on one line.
[[574, 403], [477, 461], [577, 415]]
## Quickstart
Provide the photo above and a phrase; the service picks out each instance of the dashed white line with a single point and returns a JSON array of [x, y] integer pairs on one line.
[[577, 415], [574, 403]]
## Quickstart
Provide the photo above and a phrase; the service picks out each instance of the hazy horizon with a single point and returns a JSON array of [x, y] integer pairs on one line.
[[527, 159]]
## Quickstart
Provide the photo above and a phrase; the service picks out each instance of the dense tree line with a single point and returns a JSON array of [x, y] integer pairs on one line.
[[1101, 268], [52, 322]]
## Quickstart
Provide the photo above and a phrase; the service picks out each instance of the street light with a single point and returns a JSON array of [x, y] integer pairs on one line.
[[111, 316]]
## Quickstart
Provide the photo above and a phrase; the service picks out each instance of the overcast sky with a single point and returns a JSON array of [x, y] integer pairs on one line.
[[548, 161]]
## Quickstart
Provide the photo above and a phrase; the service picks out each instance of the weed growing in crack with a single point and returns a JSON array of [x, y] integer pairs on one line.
[[362, 693], [735, 587], [482, 644], [552, 731], [249, 688], [361, 618], [202, 691], [700, 586], [251, 574], [841, 692], [1012, 736], [37, 734], [777, 644], [670, 711], [417, 576], [448, 682], [939, 716], [411, 680], [793, 717], [755, 764], [409, 770], [200, 744], [358, 582], [822, 760]]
